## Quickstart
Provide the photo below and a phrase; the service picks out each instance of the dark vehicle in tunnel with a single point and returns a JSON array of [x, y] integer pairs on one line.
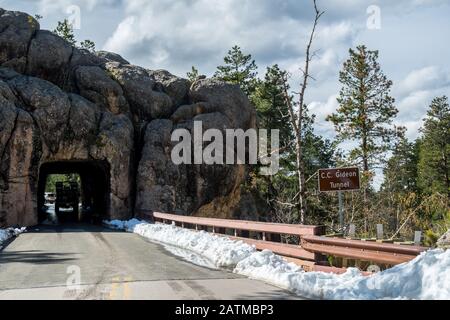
[[92, 191], [67, 196]]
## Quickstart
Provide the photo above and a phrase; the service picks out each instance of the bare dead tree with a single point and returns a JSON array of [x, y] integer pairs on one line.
[[296, 113]]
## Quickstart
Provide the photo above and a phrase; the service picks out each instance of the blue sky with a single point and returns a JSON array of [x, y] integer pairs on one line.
[[174, 35]]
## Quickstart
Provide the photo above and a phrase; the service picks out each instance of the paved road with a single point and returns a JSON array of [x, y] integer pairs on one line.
[[112, 265]]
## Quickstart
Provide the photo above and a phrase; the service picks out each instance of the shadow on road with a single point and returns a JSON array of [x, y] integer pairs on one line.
[[35, 257], [272, 295], [40, 257], [71, 227]]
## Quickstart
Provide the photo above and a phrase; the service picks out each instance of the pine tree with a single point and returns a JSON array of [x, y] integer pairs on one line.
[[65, 30], [271, 106], [434, 163], [366, 109], [87, 45], [400, 173], [271, 114], [193, 74], [239, 69], [318, 152]]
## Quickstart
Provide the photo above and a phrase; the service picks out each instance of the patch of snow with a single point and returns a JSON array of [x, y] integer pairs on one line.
[[190, 256], [8, 233], [425, 277]]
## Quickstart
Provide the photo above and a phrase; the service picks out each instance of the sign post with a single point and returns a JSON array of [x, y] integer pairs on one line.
[[339, 180], [341, 210]]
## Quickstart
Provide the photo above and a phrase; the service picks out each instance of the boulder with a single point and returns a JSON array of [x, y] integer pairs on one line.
[[49, 106], [96, 85], [138, 86], [46, 44], [16, 32], [191, 188], [225, 98], [111, 56], [176, 88]]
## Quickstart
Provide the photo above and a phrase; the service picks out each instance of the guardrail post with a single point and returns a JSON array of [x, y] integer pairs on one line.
[[264, 236], [196, 227], [235, 233], [417, 238], [379, 231], [344, 262], [182, 224], [213, 229], [341, 210], [352, 231]]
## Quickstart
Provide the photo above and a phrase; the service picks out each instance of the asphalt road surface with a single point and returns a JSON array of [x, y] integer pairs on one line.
[[92, 262]]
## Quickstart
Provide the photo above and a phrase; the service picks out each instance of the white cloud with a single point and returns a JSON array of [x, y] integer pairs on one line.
[[52, 6], [322, 110], [180, 34], [415, 93], [413, 109], [413, 105], [427, 78]]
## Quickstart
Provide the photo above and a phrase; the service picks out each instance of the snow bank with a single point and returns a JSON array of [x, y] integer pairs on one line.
[[189, 256], [5, 234], [425, 277]]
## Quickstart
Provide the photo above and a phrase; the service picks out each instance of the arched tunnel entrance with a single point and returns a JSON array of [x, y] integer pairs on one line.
[[92, 181]]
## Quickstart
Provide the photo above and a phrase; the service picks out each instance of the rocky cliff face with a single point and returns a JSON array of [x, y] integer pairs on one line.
[[62, 104]]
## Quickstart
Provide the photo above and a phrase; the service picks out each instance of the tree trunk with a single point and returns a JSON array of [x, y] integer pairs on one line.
[[296, 119], [301, 203], [366, 171], [447, 178]]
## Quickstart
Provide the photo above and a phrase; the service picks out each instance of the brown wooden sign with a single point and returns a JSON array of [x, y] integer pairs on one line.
[[339, 179]]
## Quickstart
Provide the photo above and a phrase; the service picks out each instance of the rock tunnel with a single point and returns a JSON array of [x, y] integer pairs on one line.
[[95, 186], [65, 109]]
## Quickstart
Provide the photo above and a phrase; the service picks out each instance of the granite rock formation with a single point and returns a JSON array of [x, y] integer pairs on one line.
[[62, 106]]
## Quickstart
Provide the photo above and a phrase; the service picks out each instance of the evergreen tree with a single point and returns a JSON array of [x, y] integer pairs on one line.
[[366, 109], [434, 163], [318, 152], [193, 74], [271, 112], [271, 106], [87, 45], [400, 173], [239, 69], [65, 30]]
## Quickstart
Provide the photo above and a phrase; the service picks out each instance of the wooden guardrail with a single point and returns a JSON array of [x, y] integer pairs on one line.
[[385, 253], [294, 252], [309, 252], [263, 227]]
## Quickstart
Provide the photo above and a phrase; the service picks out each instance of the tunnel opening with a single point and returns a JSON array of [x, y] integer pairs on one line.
[[73, 191]]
